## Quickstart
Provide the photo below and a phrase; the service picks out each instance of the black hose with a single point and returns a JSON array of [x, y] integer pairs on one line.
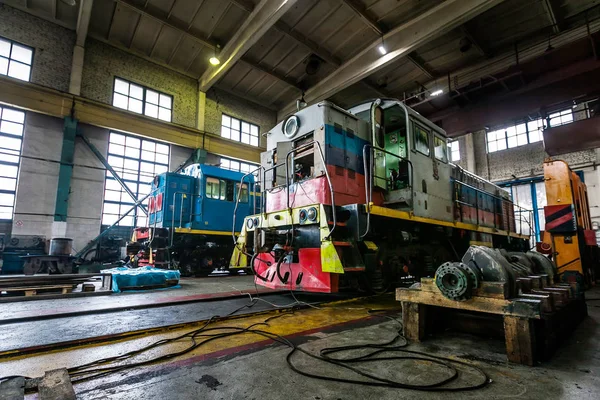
[[284, 279], [259, 276]]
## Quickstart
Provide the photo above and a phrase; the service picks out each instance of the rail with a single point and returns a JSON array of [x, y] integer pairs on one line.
[[369, 156], [287, 180]]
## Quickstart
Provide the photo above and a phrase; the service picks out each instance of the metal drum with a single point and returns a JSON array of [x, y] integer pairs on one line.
[[60, 247]]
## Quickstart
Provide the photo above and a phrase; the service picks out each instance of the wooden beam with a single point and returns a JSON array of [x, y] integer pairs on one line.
[[400, 42], [260, 20], [112, 20]]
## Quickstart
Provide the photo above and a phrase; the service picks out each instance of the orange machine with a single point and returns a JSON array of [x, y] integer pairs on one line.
[[568, 233]]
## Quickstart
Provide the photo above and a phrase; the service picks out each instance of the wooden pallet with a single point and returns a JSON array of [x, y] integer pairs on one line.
[[534, 323], [38, 290]]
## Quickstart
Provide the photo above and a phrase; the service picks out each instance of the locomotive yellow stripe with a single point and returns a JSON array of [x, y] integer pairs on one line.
[[203, 232], [388, 212]]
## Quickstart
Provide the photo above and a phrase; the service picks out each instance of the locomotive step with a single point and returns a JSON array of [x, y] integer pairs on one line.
[[342, 244]]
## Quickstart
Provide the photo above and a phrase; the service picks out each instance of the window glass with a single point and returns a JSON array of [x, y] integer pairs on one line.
[[142, 100], [243, 193], [421, 139], [11, 130], [15, 59], [239, 130], [439, 148], [454, 149], [136, 162], [212, 188]]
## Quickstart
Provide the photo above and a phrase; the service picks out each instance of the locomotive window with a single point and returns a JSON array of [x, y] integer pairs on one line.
[[243, 194], [421, 139], [215, 188], [439, 148]]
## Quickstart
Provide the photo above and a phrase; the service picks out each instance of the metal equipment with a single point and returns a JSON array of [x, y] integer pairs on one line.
[[456, 280], [366, 198], [568, 236]]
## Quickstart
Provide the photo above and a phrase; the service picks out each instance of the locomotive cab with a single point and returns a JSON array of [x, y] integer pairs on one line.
[[409, 160]]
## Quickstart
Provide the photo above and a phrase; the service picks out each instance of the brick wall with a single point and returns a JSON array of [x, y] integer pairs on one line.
[[53, 46], [219, 102], [103, 63]]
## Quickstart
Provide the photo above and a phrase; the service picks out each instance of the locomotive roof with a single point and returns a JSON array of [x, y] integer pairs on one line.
[[217, 172]]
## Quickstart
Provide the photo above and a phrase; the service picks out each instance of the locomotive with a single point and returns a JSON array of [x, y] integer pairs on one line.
[[366, 199], [190, 219]]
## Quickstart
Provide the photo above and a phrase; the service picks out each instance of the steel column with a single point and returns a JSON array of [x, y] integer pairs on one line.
[[66, 170]]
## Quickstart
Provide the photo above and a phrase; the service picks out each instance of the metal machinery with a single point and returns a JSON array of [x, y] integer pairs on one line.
[[568, 236], [366, 198], [190, 219]]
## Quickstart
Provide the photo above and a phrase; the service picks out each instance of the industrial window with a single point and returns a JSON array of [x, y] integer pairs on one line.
[[515, 135], [440, 148], [137, 161], [238, 130], [142, 100], [237, 166], [421, 140], [560, 117], [454, 149], [15, 59], [220, 189], [11, 134]]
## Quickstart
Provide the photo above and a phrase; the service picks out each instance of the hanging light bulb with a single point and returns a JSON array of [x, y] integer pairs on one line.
[[214, 60], [382, 48]]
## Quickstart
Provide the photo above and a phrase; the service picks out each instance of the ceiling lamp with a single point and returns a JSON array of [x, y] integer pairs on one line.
[[71, 3], [436, 93], [214, 60], [382, 48]]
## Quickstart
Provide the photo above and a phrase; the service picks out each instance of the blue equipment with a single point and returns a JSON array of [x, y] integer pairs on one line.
[[190, 216]]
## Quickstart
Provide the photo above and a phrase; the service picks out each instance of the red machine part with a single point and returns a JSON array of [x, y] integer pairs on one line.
[[590, 237], [349, 188], [305, 275]]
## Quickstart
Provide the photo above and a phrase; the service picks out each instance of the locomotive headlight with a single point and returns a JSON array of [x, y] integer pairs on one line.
[[291, 126], [249, 223], [312, 214], [303, 216], [255, 222]]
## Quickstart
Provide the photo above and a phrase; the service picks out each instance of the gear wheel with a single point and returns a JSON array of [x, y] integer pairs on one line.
[[456, 280]]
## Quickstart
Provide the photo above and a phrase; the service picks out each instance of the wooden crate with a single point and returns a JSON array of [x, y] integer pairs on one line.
[[535, 322]]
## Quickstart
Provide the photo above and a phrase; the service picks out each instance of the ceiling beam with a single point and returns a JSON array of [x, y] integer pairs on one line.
[[414, 58], [360, 10], [282, 78], [287, 30], [553, 15], [474, 42], [83, 21], [260, 20], [400, 42]]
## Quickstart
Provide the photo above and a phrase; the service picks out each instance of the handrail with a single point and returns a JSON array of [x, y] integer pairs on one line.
[[237, 198], [287, 180], [370, 173]]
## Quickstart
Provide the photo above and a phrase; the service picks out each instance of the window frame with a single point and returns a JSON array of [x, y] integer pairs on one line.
[[8, 152], [506, 137], [144, 99], [141, 176], [428, 131], [444, 148], [451, 149], [240, 131], [10, 59]]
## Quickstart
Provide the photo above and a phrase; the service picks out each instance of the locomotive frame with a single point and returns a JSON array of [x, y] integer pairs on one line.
[[366, 198]]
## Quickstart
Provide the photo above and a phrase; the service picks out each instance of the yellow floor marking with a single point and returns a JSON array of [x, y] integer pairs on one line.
[[303, 320]]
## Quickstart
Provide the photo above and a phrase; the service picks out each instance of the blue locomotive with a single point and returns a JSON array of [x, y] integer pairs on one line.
[[190, 217]]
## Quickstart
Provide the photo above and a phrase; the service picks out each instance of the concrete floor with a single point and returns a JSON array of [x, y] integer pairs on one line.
[[248, 367]]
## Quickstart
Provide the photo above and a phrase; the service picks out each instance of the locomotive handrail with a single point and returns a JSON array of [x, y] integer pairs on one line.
[[520, 210], [173, 215], [287, 180], [237, 199], [371, 174]]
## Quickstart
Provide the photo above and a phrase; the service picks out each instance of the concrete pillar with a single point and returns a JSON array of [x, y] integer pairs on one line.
[[469, 152], [65, 172], [76, 70], [480, 152], [200, 120]]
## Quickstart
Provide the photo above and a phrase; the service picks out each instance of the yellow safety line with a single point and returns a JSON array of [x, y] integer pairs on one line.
[[388, 212], [203, 232]]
